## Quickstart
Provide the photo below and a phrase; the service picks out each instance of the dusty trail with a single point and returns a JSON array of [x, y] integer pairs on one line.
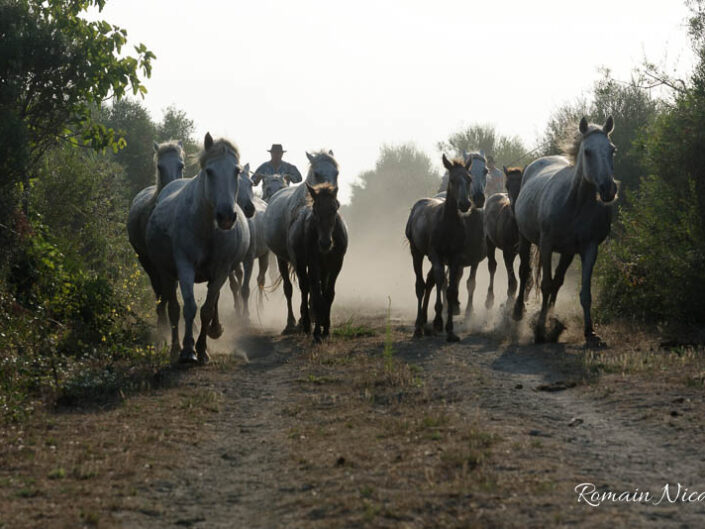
[[254, 472]]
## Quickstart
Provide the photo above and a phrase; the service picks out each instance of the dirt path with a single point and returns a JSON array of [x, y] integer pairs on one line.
[[475, 433]]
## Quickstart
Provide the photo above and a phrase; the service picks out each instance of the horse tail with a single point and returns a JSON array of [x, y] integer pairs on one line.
[[275, 285]]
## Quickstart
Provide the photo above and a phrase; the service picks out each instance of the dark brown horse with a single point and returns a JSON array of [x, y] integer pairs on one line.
[[317, 241], [435, 229], [501, 232]]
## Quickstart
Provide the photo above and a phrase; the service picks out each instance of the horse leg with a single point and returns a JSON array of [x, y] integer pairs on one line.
[[303, 279], [588, 257], [169, 290], [524, 274], [509, 256], [288, 291], [439, 274], [208, 312], [158, 291], [417, 258], [452, 295], [471, 289], [545, 255], [215, 329], [329, 293], [559, 276], [186, 279], [248, 264], [263, 265], [235, 287], [492, 267], [430, 282]]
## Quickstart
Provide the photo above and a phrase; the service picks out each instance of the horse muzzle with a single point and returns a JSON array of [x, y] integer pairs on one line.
[[249, 210], [325, 245], [479, 200], [608, 192], [225, 221]]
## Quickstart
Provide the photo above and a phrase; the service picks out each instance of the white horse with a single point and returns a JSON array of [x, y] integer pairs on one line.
[[558, 210], [169, 158], [283, 209], [195, 234]]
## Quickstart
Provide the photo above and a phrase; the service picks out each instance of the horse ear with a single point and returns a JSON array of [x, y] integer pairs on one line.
[[181, 144], [310, 158], [330, 151], [468, 163], [446, 162], [504, 168], [609, 125], [246, 169], [156, 146], [208, 141], [583, 125]]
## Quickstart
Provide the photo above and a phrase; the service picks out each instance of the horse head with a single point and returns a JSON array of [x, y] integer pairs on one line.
[[459, 181], [595, 157], [245, 193], [324, 209], [513, 175], [478, 171], [324, 168], [220, 171], [271, 184], [169, 157]]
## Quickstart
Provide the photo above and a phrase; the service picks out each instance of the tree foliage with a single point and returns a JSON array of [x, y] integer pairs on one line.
[[56, 68], [382, 198], [506, 150]]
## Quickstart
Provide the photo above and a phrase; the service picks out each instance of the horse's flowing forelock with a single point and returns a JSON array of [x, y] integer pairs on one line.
[[219, 147], [570, 145], [326, 188], [168, 146]]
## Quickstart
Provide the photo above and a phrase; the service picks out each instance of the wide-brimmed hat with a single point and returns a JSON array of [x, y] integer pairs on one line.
[[276, 147]]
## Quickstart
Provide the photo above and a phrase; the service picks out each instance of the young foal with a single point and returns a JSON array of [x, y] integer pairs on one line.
[[435, 229], [318, 240], [501, 232]]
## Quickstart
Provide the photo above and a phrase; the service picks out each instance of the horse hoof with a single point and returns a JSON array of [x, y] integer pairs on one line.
[[593, 341], [188, 356], [203, 357], [289, 330], [215, 331], [317, 340], [437, 326], [489, 303], [518, 313], [456, 310], [452, 337], [418, 332]]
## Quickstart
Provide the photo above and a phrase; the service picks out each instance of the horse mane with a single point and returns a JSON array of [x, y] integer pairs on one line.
[[163, 148], [514, 170], [457, 162], [323, 155], [476, 155], [325, 188], [220, 146], [570, 144]]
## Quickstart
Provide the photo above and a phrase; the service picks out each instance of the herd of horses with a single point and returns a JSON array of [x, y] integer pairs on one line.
[[212, 227]]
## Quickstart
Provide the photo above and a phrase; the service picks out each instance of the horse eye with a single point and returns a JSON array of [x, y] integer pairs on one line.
[[181, 166], [487, 171], [588, 152]]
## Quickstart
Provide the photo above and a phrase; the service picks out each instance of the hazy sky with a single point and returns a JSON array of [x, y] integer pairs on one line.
[[352, 76]]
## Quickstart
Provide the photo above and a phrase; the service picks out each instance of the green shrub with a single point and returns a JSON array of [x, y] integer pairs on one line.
[[653, 269]]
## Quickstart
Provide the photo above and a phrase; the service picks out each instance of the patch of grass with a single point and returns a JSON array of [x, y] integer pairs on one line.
[[318, 380], [350, 330], [57, 473], [204, 399]]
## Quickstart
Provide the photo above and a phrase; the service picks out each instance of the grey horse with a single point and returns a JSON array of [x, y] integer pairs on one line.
[[283, 209], [478, 173], [271, 184], [435, 229], [195, 234], [501, 232], [558, 209], [169, 158], [239, 280]]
